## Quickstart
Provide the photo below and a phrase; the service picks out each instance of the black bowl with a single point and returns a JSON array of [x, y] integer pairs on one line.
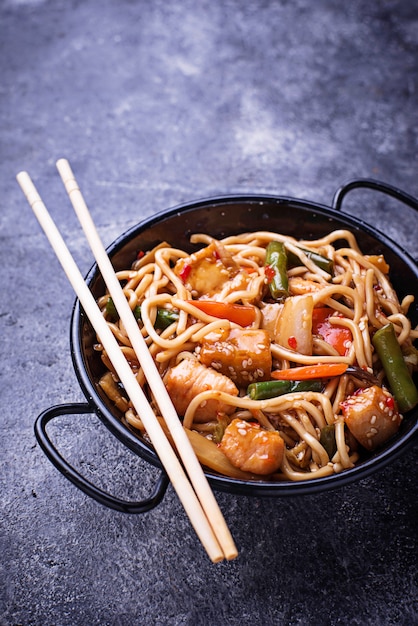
[[221, 217]]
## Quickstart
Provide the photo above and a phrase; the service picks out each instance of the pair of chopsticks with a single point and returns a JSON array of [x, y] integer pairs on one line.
[[194, 491]]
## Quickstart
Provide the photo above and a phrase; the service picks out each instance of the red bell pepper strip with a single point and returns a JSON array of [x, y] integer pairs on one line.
[[310, 372], [338, 337], [241, 314]]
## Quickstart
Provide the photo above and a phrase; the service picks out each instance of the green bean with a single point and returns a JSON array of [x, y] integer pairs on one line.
[[276, 270], [264, 390], [321, 261], [400, 380], [164, 317], [327, 439], [111, 310]]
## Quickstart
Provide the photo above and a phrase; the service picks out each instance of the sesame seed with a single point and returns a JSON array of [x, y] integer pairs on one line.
[[373, 419], [242, 431]]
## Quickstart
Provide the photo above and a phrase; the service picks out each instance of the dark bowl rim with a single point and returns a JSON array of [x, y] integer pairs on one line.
[[222, 483]]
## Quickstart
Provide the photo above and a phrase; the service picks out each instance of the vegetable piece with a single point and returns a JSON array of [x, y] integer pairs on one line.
[[243, 355], [251, 448], [270, 314], [338, 337], [371, 416], [165, 317], [114, 391], [222, 421], [308, 372], [396, 370], [241, 314], [321, 261], [111, 310], [295, 324], [273, 388], [327, 439], [276, 270]]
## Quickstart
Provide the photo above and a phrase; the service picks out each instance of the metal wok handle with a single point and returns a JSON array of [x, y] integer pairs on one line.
[[376, 185], [80, 481]]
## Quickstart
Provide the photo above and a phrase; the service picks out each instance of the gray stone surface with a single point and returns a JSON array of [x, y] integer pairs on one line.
[[155, 103]]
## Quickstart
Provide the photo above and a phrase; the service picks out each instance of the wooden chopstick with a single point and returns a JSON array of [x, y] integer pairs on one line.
[[161, 444], [182, 442]]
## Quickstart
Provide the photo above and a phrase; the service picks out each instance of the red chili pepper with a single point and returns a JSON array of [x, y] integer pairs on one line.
[[140, 254], [269, 273], [390, 402], [292, 341], [185, 272]]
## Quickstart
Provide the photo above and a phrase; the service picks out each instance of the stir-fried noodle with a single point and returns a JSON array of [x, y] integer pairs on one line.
[[226, 323]]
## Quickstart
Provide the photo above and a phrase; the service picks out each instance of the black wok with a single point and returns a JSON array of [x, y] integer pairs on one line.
[[220, 217]]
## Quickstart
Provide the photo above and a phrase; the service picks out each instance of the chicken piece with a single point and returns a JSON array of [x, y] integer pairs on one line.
[[371, 416], [252, 449], [189, 378], [206, 271], [243, 355]]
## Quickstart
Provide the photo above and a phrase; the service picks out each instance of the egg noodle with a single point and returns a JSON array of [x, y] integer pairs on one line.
[[353, 289]]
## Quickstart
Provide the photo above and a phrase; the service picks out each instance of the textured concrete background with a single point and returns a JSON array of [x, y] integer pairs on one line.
[[155, 103]]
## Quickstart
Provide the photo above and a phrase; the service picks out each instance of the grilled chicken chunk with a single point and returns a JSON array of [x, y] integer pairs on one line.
[[241, 354], [189, 378], [252, 449], [371, 416], [206, 271]]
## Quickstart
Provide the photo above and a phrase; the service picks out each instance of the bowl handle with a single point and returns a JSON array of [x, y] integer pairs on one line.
[[77, 479], [376, 185]]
